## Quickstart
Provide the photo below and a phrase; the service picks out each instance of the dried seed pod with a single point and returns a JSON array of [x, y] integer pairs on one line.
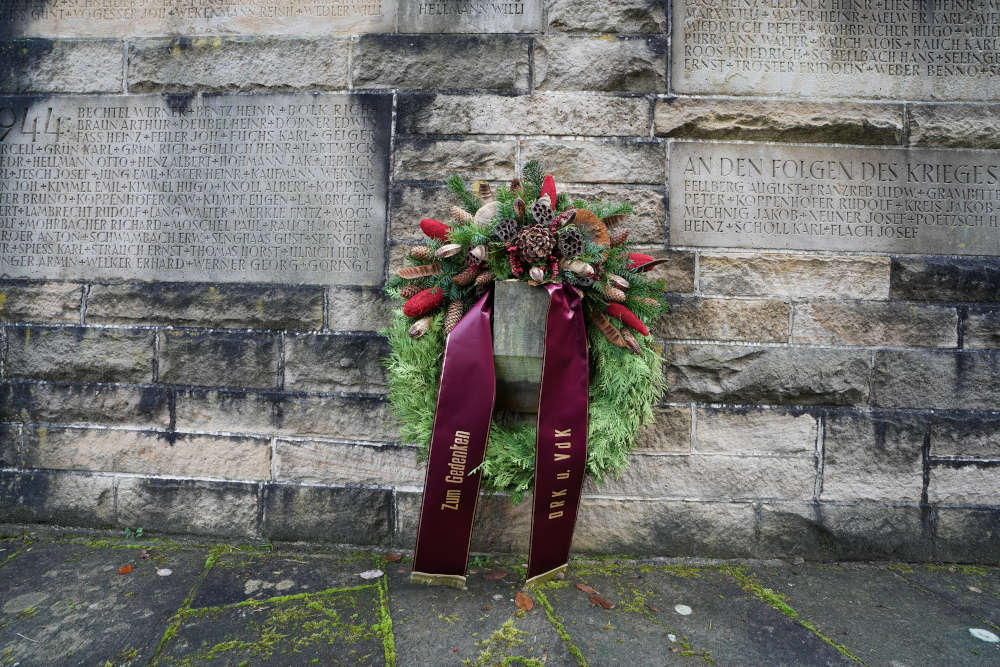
[[448, 250], [585, 281], [613, 220], [422, 253], [570, 242], [609, 330], [506, 230], [537, 274], [411, 272], [515, 184], [631, 342], [487, 212], [479, 252], [587, 220], [619, 236], [485, 278], [485, 193], [618, 281], [460, 214], [520, 210], [464, 278], [578, 267], [421, 326], [541, 210], [407, 291]]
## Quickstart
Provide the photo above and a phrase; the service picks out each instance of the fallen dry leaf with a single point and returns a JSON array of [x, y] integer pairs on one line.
[[488, 607], [523, 602], [651, 607], [392, 558], [602, 601], [586, 589], [495, 574], [124, 569]]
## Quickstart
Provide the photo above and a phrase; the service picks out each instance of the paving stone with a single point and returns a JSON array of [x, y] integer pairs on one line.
[[66, 604], [957, 584]]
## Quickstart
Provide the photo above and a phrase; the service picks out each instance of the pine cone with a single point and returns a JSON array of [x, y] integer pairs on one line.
[[630, 341], [649, 302], [408, 291], [453, 315], [507, 231], [460, 214], [515, 184], [421, 253], [570, 242], [464, 278], [614, 294], [520, 210], [535, 244], [485, 278], [541, 210], [619, 236]]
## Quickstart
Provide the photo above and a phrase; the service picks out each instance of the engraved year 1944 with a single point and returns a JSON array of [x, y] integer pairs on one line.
[[22, 121]]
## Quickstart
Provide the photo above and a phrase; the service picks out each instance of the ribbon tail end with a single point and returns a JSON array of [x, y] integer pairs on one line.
[[539, 579], [452, 580]]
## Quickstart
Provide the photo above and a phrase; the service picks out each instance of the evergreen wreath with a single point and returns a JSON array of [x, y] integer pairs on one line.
[[518, 232]]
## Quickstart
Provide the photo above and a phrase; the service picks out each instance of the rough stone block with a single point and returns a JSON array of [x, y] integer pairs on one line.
[[968, 535], [794, 276], [80, 354], [698, 318], [964, 484], [351, 515], [499, 527], [875, 323], [946, 278], [147, 452], [218, 359], [10, 446], [824, 531], [429, 159], [627, 16], [358, 309], [237, 64], [955, 125], [564, 113], [648, 220], [971, 434], [873, 457], [579, 62], [483, 62], [22, 301], [950, 380], [61, 66], [320, 462], [678, 271], [226, 306], [670, 431], [745, 374], [800, 122], [189, 506], [410, 203], [335, 362], [982, 329], [754, 432], [74, 403], [711, 478], [62, 498], [591, 161]]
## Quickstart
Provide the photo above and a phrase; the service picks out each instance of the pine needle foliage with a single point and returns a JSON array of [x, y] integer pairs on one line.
[[470, 202]]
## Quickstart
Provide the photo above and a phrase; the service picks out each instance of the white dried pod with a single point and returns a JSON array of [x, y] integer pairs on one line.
[[487, 212], [577, 267], [460, 214], [479, 252], [618, 281], [537, 274], [421, 326], [447, 250]]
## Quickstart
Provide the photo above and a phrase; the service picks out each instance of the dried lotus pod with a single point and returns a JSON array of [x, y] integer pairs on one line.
[[578, 267], [619, 236], [448, 250], [460, 214], [537, 273], [618, 281], [485, 193], [411, 272], [464, 278], [541, 210], [570, 242], [485, 278], [631, 342], [612, 220], [408, 291], [421, 326], [520, 210], [422, 253], [506, 230]]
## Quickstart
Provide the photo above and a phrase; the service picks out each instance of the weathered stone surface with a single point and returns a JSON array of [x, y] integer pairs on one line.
[[648, 221], [22, 301], [965, 535], [455, 17], [320, 462], [670, 431], [75, 403], [825, 531], [147, 452], [973, 434], [873, 457], [229, 306], [678, 271], [585, 114], [429, 159], [746, 375], [499, 526], [61, 66], [628, 16], [10, 446], [982, 329], [761, 120], [494, 62], [189, 506], [877, 324], [794, 276], [754, 432], [565, 62], [711, 477], [237, 64], [358, 309], [966, 484], [218, 359], [628, 161], [352, 515], [951, 380], [699, 318], [954, 125], [63, 498], [946, 278], [80, 354], [409, 204], [335, 362]]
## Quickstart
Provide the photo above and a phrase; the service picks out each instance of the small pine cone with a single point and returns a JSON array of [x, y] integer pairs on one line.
[[541, 210], [570, 242], [460, 214], [630, 341], [535, 244], [619, 236], [421, 253], [515, 184], [485, 278], [614, 294], [507, 231], [408, 291], [453, 315], [464, 278]]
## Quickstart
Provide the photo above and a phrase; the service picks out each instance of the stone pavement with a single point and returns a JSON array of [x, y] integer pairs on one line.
[[71, 597]]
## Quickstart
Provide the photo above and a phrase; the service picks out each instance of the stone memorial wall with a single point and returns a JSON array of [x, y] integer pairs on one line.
[[200, 203]]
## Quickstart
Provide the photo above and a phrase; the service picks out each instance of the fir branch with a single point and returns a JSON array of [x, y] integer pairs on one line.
[[470, 202]]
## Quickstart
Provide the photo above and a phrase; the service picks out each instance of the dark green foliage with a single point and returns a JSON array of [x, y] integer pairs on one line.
[[532, 178], [603, 209], [470, 202]]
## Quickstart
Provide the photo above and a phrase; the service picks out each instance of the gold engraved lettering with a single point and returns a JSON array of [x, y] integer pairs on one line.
[[451, 499]]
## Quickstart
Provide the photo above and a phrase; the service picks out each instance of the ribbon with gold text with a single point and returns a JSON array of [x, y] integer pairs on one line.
[[561, 438], [458, 444]]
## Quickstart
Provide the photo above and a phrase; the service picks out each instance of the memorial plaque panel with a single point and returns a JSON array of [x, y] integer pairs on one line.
[[469, 16], [231, 188], [927, 201], [143, 18], [893, 49]]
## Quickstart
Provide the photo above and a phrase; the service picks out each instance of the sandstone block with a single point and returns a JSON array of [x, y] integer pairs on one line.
[[946, 278], [982, 329], [226, 306], [873, 457], [794, 276], [584, 114], [352, 515], [972, 434], [678, 271], [670, 431], [189, 506], [335, 362], [754, 432], [698, 318], [321, 462], [358, 309], [875, 323], [410, 203], [955, 380], [483, 62], [499, 526], [965, 535], [429, 159], [61, 66], [648, 220], [591, 161], [76, 403], [218, 359], [628, 64], [80, 354], [237, 64], [62, 498], [628, 16], [798, 122], [955, 125], [766, 375], [22, 301], [965, 484], [10, 446]]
